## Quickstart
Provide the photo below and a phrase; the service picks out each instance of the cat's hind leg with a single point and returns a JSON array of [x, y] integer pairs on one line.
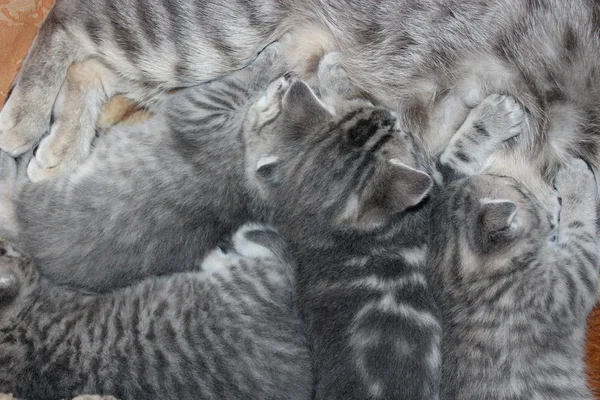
[[496, 120], [26, 114], [8, 187], [87, 87]]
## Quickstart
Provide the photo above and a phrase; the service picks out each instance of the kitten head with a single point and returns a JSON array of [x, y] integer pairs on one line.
[[355, 170], [488, 224], [17, 275]]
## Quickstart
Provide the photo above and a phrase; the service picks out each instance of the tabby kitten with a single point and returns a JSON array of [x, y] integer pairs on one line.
[[514, 288], [348, 191], [153, 198], [429, 60], [229, 331]]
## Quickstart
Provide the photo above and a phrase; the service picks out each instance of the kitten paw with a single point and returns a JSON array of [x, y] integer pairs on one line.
[[501, 116], [251, 241], [575, 182], [269, 54], [332, 76]]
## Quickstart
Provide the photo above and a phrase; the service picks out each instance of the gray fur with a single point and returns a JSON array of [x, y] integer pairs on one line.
[[229, 331], [150, 199], [347, 190], [514, 288], [430, 60]]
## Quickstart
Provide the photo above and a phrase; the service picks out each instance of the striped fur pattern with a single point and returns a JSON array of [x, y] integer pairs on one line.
[[348, 190], [228, 331], [152, 198], [514, 288], [429, 60]]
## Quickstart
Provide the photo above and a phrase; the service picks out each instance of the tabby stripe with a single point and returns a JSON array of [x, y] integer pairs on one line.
[[266, 124], [148, 18], [571, 286], [122, 34], [215, 99]]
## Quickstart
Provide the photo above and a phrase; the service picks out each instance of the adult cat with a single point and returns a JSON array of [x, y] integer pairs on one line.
[[430, 60], [228, 331]]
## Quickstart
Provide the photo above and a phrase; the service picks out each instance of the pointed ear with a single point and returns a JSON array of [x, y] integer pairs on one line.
[[302, 107], [397, 188], [267, 169], [496, 215]]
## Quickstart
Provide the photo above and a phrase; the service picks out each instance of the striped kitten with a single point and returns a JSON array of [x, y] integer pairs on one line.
[[229, 331], [152, 198], [349, 192], [514, 288], [429, 60]]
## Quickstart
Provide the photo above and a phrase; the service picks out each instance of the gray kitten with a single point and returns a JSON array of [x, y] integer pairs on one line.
[[430, 60], [348, 190], [514, 288], [150, 199], [228, 331]]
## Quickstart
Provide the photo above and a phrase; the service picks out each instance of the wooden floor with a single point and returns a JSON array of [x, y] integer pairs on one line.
[[593, 351]]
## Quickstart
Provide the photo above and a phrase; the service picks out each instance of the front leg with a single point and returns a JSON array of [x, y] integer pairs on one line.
[[26, 114], [576, 251], [88, 85], [497, 119]]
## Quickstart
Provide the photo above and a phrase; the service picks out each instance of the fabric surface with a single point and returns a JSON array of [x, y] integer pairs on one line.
[[19, 22]]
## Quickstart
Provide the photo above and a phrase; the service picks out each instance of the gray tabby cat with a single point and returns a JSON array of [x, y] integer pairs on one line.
[[429, 60], [514, 288], [228, 331], [515, 282], [348, 191], [151, 199]]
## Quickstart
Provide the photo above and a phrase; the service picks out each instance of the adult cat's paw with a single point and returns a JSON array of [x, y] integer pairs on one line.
[[21, 125], [61, 151], [576, 183], [499, 116]]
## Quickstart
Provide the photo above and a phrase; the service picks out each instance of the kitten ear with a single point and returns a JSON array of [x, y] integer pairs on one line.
[[266, 169], [497, 215], [397, 188], [302, 107]]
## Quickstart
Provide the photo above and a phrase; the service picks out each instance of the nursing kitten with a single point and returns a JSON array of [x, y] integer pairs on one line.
[[429, 60], [348, 191], [514, 288], [153, 198], [228, 331]]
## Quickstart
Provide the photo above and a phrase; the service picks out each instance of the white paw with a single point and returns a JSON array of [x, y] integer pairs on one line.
[[21, 126], [333, 79], [36, 173], [45, 154], [502, 116], [58, 153], [248, 248], [13, 140], [218, 262]]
